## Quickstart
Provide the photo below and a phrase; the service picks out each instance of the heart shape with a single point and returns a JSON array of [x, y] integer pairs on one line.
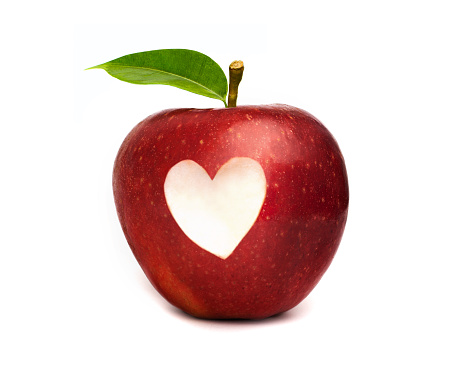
[[216, 214]]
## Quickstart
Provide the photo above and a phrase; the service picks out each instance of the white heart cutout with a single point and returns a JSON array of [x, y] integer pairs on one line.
[[216, 214]]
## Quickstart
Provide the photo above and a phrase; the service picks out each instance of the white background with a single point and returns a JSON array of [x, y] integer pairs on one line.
[[386, 78]]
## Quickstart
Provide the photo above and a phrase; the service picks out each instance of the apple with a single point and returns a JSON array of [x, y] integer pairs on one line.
[[232, 213]]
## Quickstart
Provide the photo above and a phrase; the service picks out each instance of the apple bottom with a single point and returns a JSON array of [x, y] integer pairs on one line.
[[260, 279]]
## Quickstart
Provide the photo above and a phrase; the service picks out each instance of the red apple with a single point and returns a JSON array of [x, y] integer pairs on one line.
[[234, 212]]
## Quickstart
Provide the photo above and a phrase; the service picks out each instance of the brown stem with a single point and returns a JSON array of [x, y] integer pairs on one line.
[[236, 69]]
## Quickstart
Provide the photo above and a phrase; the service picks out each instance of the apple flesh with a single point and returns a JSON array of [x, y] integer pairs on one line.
[[233, 212], [216, 214]]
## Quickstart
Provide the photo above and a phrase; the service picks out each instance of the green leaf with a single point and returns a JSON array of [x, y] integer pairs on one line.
[[185, 69]]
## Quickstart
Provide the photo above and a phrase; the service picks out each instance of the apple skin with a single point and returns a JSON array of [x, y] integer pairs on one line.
[[295, 236]]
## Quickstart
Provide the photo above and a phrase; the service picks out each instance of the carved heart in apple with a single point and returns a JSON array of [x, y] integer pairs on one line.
[[216, 214]]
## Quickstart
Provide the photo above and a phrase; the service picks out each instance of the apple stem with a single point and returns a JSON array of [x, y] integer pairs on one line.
[[236, 69]]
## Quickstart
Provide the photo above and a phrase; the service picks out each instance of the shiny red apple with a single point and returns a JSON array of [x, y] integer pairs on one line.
[[233, 212]]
